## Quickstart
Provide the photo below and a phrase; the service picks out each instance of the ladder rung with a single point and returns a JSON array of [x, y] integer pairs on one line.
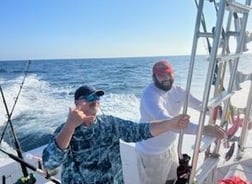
[[219, 98], [206, 141], [238, 7], [206, 35], [228, 57], [203, 171], [232, 33]]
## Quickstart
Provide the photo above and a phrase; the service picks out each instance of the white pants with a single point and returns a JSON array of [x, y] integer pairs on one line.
[[157, 169]]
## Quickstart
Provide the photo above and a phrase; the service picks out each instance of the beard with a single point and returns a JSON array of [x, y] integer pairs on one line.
[[165, 85]]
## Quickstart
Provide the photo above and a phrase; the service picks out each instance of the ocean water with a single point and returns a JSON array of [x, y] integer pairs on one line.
[[49, 86]]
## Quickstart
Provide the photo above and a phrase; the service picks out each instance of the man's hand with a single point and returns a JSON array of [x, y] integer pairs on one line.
[[215, 131], [180, 121], [76, 117]]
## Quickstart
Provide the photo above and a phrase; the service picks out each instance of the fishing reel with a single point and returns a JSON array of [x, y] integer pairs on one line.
[[30, 179]]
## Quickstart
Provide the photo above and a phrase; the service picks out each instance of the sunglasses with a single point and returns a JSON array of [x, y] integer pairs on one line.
[[90, 98]]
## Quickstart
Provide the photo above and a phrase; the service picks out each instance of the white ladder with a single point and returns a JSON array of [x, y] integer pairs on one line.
[[219, 56]]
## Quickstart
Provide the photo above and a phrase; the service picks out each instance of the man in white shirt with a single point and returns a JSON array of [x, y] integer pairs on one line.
[[157, 157]]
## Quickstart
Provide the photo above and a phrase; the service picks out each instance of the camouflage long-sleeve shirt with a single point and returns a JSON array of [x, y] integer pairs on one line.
[[93, 156]]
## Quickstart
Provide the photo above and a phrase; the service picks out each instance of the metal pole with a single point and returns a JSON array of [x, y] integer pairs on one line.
[[244, 132], [190, 71], [212, 63]]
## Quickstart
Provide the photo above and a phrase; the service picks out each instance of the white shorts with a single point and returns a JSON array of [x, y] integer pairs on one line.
[[157, 169]]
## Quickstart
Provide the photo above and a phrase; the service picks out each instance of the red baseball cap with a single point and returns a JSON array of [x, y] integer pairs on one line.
[[162, 67]]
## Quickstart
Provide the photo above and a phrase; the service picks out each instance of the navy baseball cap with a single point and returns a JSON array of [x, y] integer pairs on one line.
[[85, 91]]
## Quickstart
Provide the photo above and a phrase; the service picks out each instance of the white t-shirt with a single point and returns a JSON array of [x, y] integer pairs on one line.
[[157, 104]]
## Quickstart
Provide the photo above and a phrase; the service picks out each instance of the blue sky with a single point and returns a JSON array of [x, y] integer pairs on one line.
[[48, 29]]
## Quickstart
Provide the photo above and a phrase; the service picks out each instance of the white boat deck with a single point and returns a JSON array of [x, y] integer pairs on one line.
[[12, 169]]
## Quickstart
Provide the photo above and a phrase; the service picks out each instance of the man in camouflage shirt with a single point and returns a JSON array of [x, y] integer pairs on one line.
[[87, 145]]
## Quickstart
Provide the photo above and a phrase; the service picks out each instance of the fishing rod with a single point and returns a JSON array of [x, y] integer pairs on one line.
[[16, 142], [15, 102], [21, 86], [19, 158], [28, 165], [9, 114]]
